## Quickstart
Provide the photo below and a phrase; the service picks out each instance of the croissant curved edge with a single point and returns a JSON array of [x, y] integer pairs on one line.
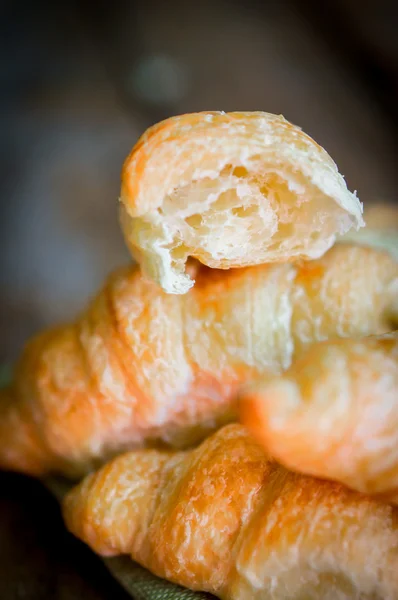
[[333, 413], [231, 190], [226, 519], [140, 367]]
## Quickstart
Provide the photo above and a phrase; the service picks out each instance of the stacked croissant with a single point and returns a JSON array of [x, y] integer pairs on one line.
[[242, 308]]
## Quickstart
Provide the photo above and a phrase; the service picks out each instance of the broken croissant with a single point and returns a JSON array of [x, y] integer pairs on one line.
[[230, 190], [141, 367], [334, 414], [224, 518]]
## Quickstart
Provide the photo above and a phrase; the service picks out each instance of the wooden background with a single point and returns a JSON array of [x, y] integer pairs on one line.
[[79, 82]]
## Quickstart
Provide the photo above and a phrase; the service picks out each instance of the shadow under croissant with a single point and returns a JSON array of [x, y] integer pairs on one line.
[[137, 581]]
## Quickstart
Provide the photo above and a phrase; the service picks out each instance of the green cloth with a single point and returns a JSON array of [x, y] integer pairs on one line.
[[142, 585]]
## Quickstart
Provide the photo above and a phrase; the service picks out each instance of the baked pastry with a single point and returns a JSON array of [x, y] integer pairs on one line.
[[224, 518], [141, 367], [230, 190], [334, 414], [381, 229]]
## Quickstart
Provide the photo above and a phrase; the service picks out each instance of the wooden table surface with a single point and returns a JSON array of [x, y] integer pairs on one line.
[[39, 560]]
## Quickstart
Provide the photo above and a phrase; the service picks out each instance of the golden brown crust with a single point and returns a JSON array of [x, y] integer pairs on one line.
[[334, 414], [146, 368], [231, 190], [225, 519]]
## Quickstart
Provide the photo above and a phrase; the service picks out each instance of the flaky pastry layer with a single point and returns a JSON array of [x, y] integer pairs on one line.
[[334, 413], [224, 518], [230, 190], [141, 367]]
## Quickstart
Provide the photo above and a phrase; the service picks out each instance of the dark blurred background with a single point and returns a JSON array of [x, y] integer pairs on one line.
[[80, 81]]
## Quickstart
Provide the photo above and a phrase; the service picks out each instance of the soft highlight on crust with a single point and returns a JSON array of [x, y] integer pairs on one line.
[[224, 518], [141, 367], [230, 190], [333, 414]]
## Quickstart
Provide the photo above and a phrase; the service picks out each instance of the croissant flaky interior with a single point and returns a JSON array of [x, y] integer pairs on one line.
[[141, 367], [334, 413], [226, 519], [230, 190]]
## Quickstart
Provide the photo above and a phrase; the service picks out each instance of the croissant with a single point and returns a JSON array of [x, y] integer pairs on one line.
[[334, 413], [381, 229], [230, 190], [223, 518], [142, 367]]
